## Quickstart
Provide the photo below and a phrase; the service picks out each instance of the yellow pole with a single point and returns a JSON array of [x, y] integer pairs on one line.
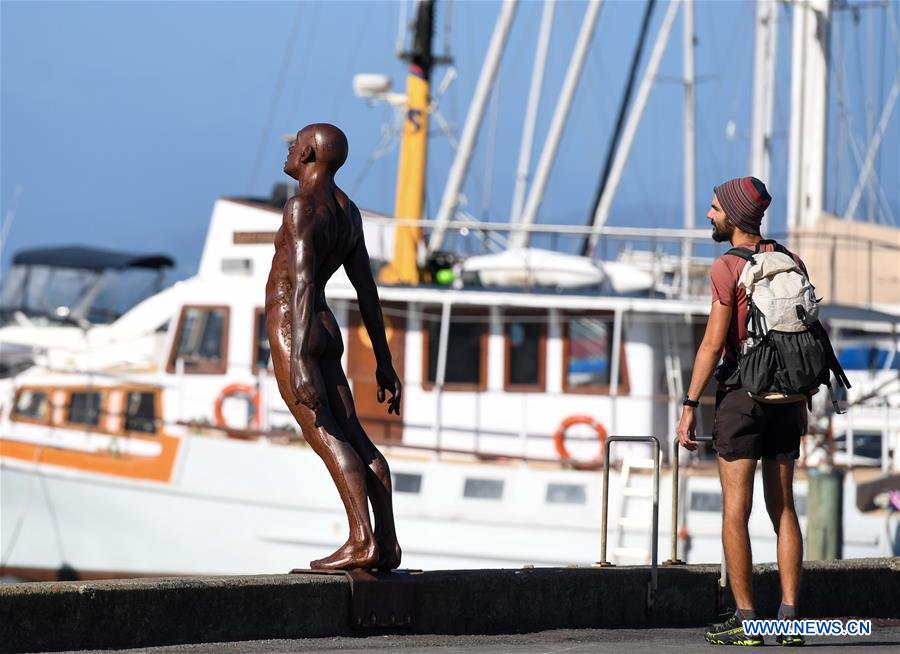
[[410, 197]]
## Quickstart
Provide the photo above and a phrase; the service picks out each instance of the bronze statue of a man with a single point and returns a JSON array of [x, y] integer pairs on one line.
[[322, 230]]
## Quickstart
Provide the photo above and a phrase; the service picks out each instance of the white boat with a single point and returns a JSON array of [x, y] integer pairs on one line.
[[167, 450]]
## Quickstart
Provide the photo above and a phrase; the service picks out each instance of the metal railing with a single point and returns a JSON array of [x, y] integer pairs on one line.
[[674, 560], [653, 440], [654, 539]]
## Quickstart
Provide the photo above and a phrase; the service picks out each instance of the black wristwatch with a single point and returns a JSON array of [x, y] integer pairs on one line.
[[686, 401]]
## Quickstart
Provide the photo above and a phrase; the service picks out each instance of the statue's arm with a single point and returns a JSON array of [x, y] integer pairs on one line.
[[302, 262], [359, 271]]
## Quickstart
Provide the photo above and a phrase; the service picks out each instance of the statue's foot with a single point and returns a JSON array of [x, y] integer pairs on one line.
[[389, 555], [348, 557]]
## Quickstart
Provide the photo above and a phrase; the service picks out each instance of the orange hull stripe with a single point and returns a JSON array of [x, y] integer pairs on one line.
[[157, 468]]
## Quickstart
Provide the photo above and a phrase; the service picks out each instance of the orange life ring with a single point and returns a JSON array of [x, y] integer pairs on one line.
[[242, 390], [559, 438]]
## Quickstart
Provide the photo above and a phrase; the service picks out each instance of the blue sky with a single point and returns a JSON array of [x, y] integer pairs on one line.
[[122, 122]]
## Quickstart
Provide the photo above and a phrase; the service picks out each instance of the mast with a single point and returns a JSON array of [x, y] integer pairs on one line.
[[520, 239], [763, 89], [809, 112], [534, 96], [690, 142], [410, 194], [634, 119], [623, 111], [460, 166]]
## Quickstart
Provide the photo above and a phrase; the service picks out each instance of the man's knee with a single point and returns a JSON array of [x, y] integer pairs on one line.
[[737, 511], [781, 513]]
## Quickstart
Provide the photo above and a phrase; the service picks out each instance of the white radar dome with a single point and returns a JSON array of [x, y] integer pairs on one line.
[[368, 85]]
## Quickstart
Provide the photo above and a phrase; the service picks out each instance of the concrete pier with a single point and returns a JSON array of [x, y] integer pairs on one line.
[[147, 612]]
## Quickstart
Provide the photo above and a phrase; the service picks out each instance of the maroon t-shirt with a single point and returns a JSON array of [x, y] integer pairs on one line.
[[726, 270]]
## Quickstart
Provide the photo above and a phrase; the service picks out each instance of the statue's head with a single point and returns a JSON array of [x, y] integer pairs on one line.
[[319, 143]]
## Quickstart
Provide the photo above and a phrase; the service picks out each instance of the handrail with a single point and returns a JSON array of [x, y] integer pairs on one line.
[[674, 560], [651, 590], [723, 569]]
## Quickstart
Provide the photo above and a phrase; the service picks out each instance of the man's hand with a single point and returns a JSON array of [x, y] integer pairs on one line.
[[388, 381], [686, 428], [304, 387]]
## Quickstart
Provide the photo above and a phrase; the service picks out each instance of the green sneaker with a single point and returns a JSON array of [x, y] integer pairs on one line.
[[790, 641], [731, 632]]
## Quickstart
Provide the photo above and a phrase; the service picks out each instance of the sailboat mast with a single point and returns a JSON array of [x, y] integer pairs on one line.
[[623, 112], [557, 124], [463, 157], [809, 112], [410, 197], [534, 95], [690, 142], [763, 89], [631, 125]]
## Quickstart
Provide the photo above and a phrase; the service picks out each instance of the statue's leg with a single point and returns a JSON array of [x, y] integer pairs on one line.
[[325, 436], [379, 474]]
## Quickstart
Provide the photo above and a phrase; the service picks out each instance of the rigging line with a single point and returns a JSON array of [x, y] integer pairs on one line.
[[870, 95], [338, 104], [838, 81], [878, 159], [385, 146], [854, 150], [312, 24], [401, 27], [625, 101], [861, 80], [489, 157], [448, 24], [874, 144], [279, 87], [742, 56]]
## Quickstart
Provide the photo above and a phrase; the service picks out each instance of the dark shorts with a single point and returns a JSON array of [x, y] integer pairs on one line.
[[747, 429]]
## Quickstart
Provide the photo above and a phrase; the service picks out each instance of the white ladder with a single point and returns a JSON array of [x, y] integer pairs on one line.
[[635, 508], [674, 345]]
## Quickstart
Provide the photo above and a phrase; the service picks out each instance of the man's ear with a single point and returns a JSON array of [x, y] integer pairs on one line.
[[307, 154]]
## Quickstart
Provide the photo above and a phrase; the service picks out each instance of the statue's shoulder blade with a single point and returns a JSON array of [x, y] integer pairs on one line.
[[300, 209]]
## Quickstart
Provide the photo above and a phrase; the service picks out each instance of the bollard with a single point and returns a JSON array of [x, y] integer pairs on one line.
[[824, 502]]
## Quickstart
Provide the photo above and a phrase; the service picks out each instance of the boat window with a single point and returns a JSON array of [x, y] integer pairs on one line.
[[201, 340], [261, 352], [708, 502], [866, 444], [587, 354], [525, 347], [140, 412], [566, 494], [84, 408], [32, 404], [405, 482], [865, 357], [485, 489], [466, 348]]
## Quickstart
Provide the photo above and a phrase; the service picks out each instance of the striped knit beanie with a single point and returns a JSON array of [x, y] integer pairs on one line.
[[744, 200]]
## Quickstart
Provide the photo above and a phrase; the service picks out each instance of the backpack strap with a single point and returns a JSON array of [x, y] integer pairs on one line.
[[776, 246], [743, 253], [818, 331]]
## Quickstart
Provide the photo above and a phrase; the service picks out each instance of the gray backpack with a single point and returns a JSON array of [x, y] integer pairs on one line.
[[787, 354]]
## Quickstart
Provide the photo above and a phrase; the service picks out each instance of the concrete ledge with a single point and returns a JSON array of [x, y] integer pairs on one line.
[[146, 612]]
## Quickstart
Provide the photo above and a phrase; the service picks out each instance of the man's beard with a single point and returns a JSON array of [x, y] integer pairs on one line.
[[724, 234]]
